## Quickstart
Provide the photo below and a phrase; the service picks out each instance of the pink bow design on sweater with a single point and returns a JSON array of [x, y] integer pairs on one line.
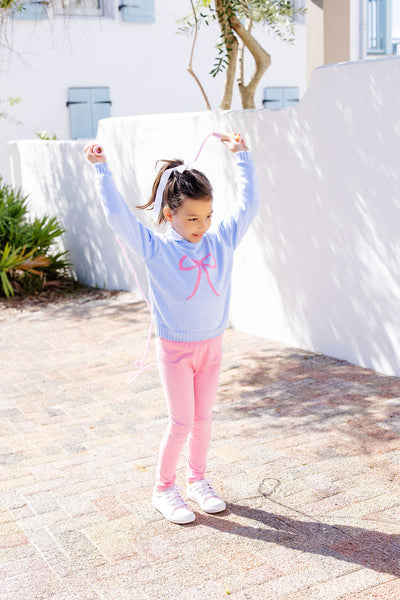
[[201, 265]]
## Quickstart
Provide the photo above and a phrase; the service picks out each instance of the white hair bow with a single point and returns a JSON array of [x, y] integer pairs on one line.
[[161, 187]]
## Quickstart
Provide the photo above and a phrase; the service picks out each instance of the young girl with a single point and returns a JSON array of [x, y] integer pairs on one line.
[[189, 272]]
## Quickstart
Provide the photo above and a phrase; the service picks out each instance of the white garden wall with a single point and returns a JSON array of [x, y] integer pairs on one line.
[[143, 64], [320, 267]]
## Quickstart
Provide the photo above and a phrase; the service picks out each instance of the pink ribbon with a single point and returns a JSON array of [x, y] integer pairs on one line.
[[201, 265]]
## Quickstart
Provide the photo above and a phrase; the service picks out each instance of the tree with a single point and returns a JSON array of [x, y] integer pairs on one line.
[[236, 19], [5, 115], [6, 8]]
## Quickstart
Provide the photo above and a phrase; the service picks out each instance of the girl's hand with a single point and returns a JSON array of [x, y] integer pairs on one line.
[[93, 156], [234, 142]]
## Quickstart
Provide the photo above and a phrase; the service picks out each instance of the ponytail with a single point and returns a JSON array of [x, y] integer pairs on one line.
[[180, 184]]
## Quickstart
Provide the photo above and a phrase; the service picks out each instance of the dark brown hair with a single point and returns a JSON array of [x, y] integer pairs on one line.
[[189, 184]]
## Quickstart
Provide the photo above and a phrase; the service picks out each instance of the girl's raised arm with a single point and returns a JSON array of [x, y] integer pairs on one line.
[[118, 214], [237, 222]]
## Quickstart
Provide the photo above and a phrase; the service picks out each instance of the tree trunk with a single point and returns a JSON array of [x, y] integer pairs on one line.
[[226, 101], [231, 44], [261, 58]]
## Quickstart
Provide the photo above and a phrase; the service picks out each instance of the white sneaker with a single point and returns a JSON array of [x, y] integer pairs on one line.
[[172, 506], [202, 493]]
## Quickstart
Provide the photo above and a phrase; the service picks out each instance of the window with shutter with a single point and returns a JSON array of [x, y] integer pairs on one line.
[[379, 27], [81, 8], [86, 107], [290, 96], [396, 27], [39, 9], [137, 11], [34, 10], [280, 97], [273, 98]]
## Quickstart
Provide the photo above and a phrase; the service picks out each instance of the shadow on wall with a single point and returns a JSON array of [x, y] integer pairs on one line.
[[328, 225], [319, 268], [69, 192]]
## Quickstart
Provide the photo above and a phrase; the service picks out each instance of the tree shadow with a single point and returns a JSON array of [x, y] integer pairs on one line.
[[294, 386], [130, 311], [325, 238], [365, 547], [68, 191]]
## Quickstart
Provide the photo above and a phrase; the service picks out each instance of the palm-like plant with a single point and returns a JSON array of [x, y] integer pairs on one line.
[[27, 260]]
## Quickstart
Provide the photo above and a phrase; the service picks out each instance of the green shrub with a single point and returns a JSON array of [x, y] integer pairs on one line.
[[43, 135], [28, 262]]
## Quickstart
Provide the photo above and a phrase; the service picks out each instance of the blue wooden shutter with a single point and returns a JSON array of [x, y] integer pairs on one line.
[[290, 96], [280, 97], [138, 11], [86, 107], [100, 105], [273, 98], [80, 113], [32, 11]]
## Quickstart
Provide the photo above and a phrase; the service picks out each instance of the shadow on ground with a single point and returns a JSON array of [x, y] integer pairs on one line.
[[364, 547], [315, 393]]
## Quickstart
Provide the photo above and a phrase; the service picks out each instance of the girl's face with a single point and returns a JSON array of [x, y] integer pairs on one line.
[[192, 219]]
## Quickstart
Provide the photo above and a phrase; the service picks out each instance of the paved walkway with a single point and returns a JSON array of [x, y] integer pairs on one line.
[[305, 450]]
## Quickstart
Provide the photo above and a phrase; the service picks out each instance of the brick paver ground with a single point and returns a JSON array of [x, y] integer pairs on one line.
[[305, 449]]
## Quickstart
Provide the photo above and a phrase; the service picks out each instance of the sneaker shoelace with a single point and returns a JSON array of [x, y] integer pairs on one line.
[[174, 498], [204, 489]]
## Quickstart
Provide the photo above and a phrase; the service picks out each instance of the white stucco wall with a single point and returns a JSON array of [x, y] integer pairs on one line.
[[319, 268], [144, 65]]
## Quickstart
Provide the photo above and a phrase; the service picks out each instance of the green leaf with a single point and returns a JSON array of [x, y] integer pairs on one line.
[[26, 246], [6, 285]]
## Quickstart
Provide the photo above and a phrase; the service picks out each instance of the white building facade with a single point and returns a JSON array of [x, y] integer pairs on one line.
[[111, 58]]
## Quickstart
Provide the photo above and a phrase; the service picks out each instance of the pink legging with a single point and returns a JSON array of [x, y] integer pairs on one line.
[[189, 373]]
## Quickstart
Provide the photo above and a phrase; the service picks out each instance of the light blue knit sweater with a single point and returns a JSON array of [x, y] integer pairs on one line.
[[190, 283]]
